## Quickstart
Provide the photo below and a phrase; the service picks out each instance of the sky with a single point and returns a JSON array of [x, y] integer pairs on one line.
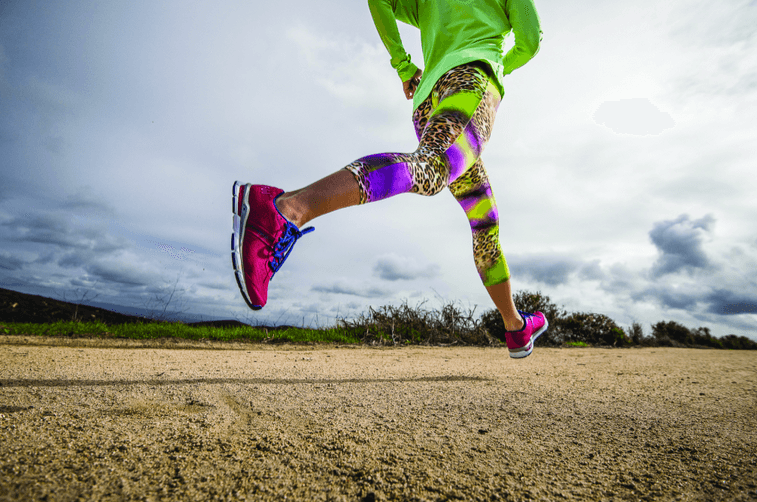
[[622, 159]]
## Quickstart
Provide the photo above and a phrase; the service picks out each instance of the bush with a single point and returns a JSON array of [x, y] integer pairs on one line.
[[703, 337], [390, 325], [635, 335], [738, 343], [672, 334], [492, 321], [594, 329]]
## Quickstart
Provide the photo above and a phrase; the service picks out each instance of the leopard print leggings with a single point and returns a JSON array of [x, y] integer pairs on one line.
[[453, 126]]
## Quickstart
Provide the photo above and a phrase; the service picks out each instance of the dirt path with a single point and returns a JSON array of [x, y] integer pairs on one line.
[[264, 423]]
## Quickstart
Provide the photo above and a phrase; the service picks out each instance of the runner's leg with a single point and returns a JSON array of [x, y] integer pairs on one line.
[[453, 126]]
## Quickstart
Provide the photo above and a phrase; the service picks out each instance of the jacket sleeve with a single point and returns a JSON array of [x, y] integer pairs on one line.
[[386, 24], [527, 30]]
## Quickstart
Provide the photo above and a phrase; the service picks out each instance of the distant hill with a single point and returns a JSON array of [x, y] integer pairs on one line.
[[22, 307]]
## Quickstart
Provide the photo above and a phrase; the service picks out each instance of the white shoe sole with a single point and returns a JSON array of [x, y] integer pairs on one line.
[[239, 223]]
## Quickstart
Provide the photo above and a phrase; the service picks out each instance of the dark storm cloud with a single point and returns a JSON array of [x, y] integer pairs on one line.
[[715, 301], [52, 229], [397, 268], [669, 296], [10, 262], [726, 302], [120, 273], [552, 270], [679, 242], [74, 259], [63, 230], [346, 289]]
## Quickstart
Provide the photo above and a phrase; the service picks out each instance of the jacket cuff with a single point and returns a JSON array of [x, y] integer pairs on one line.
[[406, 70]]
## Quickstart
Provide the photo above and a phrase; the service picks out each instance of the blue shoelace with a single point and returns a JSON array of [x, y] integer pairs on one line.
[[283, 247]]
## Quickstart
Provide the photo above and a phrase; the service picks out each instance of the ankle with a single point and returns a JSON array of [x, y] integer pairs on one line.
[[515, 324], [289, 211]]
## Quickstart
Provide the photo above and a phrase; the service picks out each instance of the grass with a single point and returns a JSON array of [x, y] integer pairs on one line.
[[577, 344], [387, 325], [156, 330], [452, 324]]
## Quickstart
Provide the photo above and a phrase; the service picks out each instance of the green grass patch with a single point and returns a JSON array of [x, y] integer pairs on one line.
[[148, 331], [577, 344]]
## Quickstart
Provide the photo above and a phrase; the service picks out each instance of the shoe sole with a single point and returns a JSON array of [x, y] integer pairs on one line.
[[239, 224], [520, 353]]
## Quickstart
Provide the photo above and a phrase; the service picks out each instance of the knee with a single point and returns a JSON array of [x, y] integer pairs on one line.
[[430, 175]]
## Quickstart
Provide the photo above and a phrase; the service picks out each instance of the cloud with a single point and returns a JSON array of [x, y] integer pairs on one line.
[[636, 116], [392, 267], [342, 288], [86, 200], [591, 271], [10, 262], [64, 231], [679, 242], [43, 228], [180, 254], [216, 285], [714, 287], [670, 295], [726, 302], [120, 272], [692, 297], [549, 269], [73, 259], [343, 308]]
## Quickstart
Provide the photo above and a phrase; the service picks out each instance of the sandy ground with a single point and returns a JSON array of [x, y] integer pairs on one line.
[[252, 422]]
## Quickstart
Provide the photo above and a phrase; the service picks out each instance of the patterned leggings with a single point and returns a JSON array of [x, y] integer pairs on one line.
[[453, 125]]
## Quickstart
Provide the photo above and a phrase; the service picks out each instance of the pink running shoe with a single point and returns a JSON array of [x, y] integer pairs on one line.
[[521, 343], [261, 240]]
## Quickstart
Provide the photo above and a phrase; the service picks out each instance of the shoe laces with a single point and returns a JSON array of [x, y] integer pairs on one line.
[[284, 245]]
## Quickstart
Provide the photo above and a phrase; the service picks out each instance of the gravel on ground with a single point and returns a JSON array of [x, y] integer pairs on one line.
[[158, 420]]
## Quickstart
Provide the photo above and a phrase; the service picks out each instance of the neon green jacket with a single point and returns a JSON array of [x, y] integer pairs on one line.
[[455, 32]]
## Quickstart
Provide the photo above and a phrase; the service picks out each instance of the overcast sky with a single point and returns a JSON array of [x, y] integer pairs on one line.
[[622, 159]]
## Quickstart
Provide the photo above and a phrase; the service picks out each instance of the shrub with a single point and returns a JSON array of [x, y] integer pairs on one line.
[[390, 325], [594, 329], [738, 343], [703, 337], [672, 334], [635, 335]]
